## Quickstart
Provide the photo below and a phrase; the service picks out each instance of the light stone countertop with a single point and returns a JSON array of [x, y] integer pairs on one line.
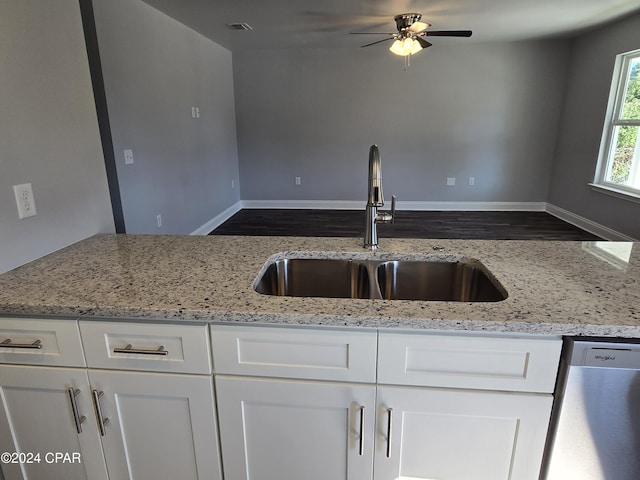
[[554, 288]]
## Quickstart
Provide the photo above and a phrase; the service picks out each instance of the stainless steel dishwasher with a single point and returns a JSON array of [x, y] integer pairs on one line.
[[595, 431]]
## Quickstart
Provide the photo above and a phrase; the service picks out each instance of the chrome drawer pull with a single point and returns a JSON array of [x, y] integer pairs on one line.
[[137, 351], [361, 430], [389, 412], [96, 405], [7, 344], [78, 419]]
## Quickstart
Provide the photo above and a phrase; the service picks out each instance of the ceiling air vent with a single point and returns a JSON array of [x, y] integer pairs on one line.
[[239, 26]]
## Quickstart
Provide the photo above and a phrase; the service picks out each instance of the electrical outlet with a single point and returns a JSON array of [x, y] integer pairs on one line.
[[233, 183], [298, 181], [451, 181], [472, 181], [159, 219], [24, 200], [128, 157]]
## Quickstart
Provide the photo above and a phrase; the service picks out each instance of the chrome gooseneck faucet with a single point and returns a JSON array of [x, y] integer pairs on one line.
[[375, 200]]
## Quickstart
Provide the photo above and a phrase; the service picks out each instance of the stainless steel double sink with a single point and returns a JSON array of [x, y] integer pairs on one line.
[[433, 278]]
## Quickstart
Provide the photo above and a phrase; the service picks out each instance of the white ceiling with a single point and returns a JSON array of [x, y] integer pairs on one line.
[[327, 23]]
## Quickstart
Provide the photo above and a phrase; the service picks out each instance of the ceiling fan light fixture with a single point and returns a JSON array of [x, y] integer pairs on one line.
[[417, 27], [405, 46]]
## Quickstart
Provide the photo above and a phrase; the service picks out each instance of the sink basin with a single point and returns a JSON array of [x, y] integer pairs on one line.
[[455, 280], [305, 277], [436, 280]]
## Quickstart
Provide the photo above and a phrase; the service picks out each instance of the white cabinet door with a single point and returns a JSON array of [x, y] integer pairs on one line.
[[290, 429], [37, 420], [448, 434], [160, 425]]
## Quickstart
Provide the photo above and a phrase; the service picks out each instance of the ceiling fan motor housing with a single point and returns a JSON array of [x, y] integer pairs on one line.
[[405, 20]]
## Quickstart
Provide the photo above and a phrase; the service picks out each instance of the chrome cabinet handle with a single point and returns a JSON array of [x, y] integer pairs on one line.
[[137, 351], [389, 412], [37, 344], [362, 430], [96, 405], [77, 418]]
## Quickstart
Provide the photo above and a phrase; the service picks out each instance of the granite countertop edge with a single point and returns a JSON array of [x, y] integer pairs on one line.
[[555, 288], [327, 321]]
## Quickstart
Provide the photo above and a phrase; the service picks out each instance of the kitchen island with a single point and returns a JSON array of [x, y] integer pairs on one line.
[[191, 373], [557, 288]]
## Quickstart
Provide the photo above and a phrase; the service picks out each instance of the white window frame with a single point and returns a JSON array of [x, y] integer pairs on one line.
[[617, 96]]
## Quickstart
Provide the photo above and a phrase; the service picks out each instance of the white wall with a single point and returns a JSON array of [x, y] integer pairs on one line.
[[489, 111], [589, 81], [48, 131], [155, 70]]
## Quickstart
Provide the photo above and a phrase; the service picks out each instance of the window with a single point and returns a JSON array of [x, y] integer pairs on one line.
[[619, 162]]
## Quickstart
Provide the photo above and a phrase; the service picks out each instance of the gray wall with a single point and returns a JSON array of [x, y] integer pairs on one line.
[[48, 131], [155, 70], [489, 111], [590, 72]]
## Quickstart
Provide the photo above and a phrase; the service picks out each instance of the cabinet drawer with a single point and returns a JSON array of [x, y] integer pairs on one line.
[[146, 346], [40, 342], [294, 353], [492, 363]]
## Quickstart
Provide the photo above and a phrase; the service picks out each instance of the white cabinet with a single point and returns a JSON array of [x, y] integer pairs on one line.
[[319, 354], [161, 420], [314, 422], [35, 341], [159, 425], [447, 434], [146, 346], [137, 401], [45, 402], [38, 420], [507, 363], [142, 407], [446, 407], [478, 407], [285, 429]]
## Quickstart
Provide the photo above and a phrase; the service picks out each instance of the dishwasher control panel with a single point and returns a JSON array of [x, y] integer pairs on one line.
[[606, 355]]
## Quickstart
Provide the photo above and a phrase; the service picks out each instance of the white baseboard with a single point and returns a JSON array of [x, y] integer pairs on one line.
[[218, 220], [402, 205], [474, 206], [588, 225], [306, 204]]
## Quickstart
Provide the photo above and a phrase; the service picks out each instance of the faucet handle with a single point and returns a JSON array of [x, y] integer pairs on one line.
[[393, 208]]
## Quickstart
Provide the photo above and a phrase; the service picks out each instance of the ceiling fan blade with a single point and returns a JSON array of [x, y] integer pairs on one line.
[[423, 43], [375, 43], [371, 33], [447, 33]]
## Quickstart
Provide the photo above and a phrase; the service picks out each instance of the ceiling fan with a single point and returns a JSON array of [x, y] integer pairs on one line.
[[409, 37]]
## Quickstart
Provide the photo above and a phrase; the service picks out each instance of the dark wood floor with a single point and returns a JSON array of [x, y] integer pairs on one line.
[[408, 224]]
